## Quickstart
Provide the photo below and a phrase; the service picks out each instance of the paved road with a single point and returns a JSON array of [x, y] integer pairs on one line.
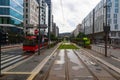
[[63, 64], [12, 56], [27, 69]]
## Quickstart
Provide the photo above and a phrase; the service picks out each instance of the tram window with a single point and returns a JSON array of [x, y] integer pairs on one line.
[[29, 42]]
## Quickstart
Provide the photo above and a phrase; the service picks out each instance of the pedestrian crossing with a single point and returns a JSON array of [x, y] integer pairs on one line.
[[9, 60]]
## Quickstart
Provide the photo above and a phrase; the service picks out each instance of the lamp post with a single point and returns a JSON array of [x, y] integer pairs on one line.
[[39, 29], [106, 28], [0, 51]]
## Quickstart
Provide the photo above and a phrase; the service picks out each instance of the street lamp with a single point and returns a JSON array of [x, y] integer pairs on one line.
[[106, 29], [39, 26], [39, 29]]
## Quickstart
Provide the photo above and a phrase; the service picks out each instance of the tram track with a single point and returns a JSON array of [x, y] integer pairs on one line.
[[95, 77], [66, 66], [85, 67], [97, 64]]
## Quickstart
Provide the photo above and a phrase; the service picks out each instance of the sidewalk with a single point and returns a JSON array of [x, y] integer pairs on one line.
[[108, 59], [23, 71], [11, 46], [111, 51]]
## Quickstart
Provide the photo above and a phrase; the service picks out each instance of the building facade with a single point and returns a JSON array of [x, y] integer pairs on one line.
[[31, 15], [78, 29], [11, 15], [95, 21], [55, 30], [50, 17], [11, 19]]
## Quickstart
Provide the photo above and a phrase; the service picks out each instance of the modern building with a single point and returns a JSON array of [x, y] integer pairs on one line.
[[50, 17], [11, 19], [55, 30], [49, 3], [95, 21], [31, 15], [78, 29]]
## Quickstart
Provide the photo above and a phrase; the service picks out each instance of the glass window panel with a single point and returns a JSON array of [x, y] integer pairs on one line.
[[0, 20], [4, 2], [4, 11], [16, 6], [16, 14], [116, 11], [116, 26]]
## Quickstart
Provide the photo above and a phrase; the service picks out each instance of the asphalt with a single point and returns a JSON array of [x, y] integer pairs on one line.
[[23, 71]]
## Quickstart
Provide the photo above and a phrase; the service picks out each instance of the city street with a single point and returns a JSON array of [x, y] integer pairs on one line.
[[57, 64], [59, 39]]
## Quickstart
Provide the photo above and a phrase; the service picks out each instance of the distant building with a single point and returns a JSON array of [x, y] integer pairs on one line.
[[78, 29], [62, 35], [55, 30]]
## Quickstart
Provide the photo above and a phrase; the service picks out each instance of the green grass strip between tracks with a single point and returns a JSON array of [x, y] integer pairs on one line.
[[67, 46]]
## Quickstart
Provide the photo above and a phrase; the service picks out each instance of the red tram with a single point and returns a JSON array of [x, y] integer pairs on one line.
[[31, 43]]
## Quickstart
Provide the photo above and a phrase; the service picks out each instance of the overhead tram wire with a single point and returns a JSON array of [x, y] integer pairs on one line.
[[61, 4]]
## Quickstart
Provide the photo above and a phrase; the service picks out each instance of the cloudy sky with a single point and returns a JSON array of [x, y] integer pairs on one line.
[[73, 12]]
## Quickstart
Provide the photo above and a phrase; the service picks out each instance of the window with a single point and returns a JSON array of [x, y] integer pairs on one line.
[[116, 26], [4, 20], [26, 10], [109, 21], [116, 1], [116, 5], [115, 15], [4, 2], [26, 22], [119, 34], [113, 34], [108, 10], [26, 16], [26, 4], [4, 11], [108, 15], [116, 11], [115, 21]]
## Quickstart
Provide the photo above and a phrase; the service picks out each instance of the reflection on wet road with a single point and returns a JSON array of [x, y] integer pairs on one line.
[[75, 65], [76, 70]]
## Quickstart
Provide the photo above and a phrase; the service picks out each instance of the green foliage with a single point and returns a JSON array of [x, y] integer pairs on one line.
[[67, 46], [81, 40], [53, 38]]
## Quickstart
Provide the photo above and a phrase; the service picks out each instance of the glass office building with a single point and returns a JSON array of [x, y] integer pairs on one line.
[[11, 17], [11, 14]]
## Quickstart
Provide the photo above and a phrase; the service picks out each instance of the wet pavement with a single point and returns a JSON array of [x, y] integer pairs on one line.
[[68, 65], [98, 71]]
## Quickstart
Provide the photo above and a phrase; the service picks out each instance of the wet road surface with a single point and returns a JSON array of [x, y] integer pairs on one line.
[[74, 65], [68, 66]]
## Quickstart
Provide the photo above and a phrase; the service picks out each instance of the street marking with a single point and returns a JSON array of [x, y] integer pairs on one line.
[[16, 73], [41, 65], [9, 56], [11, 59], [17, 64]]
